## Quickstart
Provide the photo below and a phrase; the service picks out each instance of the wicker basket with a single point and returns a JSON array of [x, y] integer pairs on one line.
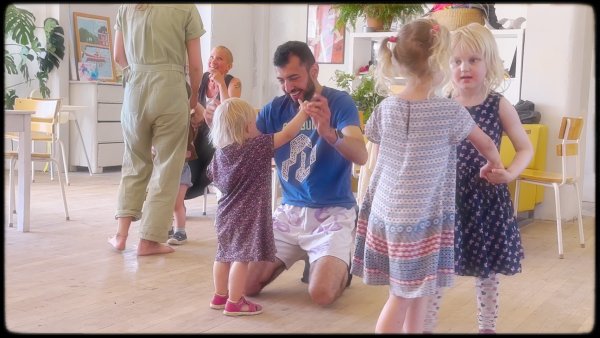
[[453, 18]]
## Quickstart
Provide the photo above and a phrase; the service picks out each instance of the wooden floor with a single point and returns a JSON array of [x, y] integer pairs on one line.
[[62, 277]]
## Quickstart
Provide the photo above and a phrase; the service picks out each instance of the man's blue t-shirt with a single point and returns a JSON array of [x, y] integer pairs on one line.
[[312, 173]]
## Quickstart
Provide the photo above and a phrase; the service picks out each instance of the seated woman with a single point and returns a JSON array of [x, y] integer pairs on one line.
[[217, 85]]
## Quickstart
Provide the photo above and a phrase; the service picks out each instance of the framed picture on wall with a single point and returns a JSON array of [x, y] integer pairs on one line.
[[93, 42], [325, 41]]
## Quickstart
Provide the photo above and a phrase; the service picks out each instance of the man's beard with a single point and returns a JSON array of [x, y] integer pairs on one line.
[[309, 92]]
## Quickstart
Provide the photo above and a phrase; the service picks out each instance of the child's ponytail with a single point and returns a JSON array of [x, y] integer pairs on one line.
[[384, 73]]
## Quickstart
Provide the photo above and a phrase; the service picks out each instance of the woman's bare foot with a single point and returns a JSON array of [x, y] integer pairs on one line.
[[146, 248], [118, 241]]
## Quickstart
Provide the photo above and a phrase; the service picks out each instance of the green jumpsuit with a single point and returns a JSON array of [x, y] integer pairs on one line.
[[155, 111]]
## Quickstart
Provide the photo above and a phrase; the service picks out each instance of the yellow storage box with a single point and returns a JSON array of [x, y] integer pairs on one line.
[[530, 194]]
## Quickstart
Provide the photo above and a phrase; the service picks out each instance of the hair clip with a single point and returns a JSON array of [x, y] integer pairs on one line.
[[392, 39], [435, 28]]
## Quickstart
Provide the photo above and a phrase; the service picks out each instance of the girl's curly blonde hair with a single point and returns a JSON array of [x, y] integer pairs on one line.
[[478, 39]]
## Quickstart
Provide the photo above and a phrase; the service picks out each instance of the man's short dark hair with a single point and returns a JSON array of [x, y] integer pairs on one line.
[[298, 48]]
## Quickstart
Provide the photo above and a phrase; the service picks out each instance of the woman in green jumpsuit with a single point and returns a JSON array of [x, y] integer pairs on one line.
[[151, 44]]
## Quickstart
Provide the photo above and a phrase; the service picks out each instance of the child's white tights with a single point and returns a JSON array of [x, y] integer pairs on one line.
[[487, 302], [487, 305]]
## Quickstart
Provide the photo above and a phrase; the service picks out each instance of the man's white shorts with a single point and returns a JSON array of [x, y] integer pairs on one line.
[[317, 232]]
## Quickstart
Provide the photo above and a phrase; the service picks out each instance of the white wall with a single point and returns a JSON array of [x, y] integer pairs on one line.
[[233, 27], [556, 77], [589, 167], [40, 13]]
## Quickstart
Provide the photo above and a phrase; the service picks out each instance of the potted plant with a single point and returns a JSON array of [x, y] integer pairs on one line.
[[362, 90], [19, 26], [384, 13]]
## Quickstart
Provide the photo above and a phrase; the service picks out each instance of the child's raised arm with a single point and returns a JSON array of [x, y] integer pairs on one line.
[[292, 128]]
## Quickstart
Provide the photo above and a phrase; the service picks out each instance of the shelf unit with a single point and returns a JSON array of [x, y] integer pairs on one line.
[[361, 47], [100, 124], [510, 45]]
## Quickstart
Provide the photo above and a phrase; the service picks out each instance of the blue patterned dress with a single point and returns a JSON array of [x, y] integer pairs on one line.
[[405, 232], [487, 237]]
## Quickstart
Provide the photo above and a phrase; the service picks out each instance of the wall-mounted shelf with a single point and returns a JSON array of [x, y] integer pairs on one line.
[[373, 35], [510, 45]]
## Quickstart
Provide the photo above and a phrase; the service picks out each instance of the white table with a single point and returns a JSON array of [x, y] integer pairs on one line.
[[20, 121], [69, 109]]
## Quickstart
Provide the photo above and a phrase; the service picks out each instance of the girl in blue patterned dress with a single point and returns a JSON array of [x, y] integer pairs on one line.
[[241, 170], [405, 231], [487, 239]]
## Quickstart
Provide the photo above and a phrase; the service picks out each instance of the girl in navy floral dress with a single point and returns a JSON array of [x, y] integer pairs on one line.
[[487, 239]]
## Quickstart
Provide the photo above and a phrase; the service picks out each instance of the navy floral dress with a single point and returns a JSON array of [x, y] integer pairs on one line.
[[487, 238]]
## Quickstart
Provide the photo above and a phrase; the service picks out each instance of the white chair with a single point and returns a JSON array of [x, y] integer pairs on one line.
[[364, 172], [44, 127], [569, 134], [42, 157]]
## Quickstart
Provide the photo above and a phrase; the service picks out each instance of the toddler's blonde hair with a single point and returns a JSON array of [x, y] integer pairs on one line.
[[421, 50], [230, 121], [478, 39]]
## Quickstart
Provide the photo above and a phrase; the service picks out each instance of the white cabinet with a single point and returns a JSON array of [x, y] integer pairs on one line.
[[100, 124]]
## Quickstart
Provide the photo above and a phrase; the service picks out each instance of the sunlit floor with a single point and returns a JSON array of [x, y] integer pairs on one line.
[[62, 277]]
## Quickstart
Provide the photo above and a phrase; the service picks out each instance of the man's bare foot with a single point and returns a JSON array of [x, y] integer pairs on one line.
[[146, 248], [118, 241]]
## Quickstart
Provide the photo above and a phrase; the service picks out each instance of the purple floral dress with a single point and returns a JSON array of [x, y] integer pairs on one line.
[[487, 237], [243, 221]]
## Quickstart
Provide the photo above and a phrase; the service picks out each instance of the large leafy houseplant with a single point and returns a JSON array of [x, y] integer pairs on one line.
[[19, 26], [386, 13], [362, 90]]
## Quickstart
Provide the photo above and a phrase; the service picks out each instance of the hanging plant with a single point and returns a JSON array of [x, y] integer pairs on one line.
[[19, 26]]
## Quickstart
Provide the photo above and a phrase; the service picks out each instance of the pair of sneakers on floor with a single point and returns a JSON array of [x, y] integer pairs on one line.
[[176, 238]]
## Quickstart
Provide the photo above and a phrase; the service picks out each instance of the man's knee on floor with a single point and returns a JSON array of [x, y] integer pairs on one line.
[[321, 295]]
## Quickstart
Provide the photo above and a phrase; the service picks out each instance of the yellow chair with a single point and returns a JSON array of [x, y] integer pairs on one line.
[[44, 127], [569, 134], [529, 195]]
